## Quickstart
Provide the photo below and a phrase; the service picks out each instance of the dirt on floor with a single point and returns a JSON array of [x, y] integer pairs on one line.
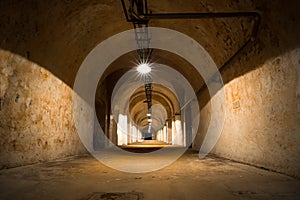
[[85, 178]]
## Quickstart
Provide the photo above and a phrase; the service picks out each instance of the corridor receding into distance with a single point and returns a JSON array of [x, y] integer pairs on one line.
[[149, 99]]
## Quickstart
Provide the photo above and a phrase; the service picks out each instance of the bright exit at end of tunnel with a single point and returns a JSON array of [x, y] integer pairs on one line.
[[149, 99], [152, 105]]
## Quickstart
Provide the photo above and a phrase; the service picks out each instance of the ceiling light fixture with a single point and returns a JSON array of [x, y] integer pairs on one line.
[[144, 68]]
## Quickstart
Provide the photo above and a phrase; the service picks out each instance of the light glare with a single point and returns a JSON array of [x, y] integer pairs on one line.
[[144, 68]]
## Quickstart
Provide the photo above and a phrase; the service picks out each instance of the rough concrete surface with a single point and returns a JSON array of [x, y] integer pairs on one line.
[[84, 178], [42, 46], [262, 119], [262, 124], [36, 114]]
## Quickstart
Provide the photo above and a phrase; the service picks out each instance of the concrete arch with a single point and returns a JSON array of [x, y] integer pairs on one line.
[[43, 44], [161, 95]]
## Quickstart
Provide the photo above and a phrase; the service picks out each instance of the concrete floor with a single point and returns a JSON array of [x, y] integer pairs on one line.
[[85, 178]]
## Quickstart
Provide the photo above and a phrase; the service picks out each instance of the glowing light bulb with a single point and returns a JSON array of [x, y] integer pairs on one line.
[[144, 68]]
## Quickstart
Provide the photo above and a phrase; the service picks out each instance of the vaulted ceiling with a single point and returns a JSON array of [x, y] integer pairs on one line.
[[59, 34]]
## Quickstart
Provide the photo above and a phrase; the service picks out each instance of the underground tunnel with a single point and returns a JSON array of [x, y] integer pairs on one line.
[[149, 99]]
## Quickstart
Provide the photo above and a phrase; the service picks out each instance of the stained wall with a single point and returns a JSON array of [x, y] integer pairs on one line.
[[262, 124], [36, 122]]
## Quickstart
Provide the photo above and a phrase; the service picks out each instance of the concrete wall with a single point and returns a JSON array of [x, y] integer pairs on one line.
[[35, 114], [262, 84], [262, 125]]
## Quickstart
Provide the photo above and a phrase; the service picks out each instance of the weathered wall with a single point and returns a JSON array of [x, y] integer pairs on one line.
[[35, 114], [262, 118], [262, 125]]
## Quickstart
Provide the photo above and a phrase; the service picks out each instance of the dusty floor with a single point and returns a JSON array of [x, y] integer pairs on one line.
[[84, 178]]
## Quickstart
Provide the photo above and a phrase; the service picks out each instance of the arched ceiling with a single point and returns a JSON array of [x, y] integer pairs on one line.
[[59, 34], [164, 101], [127, 62]]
